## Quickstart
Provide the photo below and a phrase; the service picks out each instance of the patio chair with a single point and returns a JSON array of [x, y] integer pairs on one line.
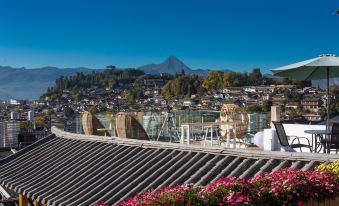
[[283, 139], [334, 138]]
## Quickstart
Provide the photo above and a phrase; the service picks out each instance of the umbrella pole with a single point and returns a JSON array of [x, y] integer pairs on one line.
[[328, 99]]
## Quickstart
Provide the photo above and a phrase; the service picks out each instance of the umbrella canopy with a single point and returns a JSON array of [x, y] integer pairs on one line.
[[322, 67], [313, 69]]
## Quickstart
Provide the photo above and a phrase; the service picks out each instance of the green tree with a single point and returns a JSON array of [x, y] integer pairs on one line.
[[49, 112], [108, 78], [214, 80], [266, 106], [39, 121], [68, 111], [92, 110], [183, 86], [254, 108], [25, 126], [256, 77]]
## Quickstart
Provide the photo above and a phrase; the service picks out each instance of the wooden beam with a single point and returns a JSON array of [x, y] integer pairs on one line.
[[23, 201]]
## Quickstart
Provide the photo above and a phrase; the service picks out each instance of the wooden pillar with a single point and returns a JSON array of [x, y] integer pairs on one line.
[[37, 203], [275, 114], [23, 201]]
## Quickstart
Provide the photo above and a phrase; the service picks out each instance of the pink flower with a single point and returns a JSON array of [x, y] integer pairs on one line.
[[285, 186]]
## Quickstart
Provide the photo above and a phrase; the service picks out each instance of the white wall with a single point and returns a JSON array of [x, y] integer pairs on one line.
[[271, 141]]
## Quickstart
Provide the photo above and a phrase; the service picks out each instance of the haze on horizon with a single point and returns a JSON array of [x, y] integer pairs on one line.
[[238, 35]]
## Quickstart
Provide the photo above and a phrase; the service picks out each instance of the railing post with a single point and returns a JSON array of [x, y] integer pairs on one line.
[[234, 136], [36, 203], [188, 134], [182, 134], [23, 201], [228, 141], [211, 135]]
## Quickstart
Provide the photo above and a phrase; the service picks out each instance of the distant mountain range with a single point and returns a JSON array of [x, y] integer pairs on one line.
[[22, 83], [172, 65], [323, 83]]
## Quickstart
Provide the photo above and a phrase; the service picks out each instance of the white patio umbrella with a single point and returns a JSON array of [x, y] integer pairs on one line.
[[322, 67]]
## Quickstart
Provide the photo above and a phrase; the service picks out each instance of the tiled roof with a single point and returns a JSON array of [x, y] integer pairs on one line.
[[72, 169]]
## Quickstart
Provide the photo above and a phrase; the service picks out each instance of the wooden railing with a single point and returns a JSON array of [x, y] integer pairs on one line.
[[325, 202]]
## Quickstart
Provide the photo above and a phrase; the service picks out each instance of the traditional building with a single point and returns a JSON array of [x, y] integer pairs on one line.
[[73, 169], [311, 104]]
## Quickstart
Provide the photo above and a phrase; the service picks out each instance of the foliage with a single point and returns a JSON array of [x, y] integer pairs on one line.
[[283, 187], [294, 113], [322, 111], [291, 186], [254, 108], [49, 112], [218, 79], [68, 111], [39, 121], [298, 83], [133, 94], [136, 93], [255, 78], [178, 195], [108, 78], [183, 86], [229, 191], [292, 95], [16, 109], [266, 105], [25, 125], [92, 110], [214, 80], [332, 167]]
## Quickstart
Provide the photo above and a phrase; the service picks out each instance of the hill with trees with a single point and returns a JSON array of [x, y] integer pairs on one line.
[[183, 86], [109, 78]]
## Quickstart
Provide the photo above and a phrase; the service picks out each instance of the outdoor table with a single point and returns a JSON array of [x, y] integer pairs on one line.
[[319, 134]]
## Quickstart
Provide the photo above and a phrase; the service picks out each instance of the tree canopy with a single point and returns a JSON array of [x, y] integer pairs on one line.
[[183, 86], [108, 78]]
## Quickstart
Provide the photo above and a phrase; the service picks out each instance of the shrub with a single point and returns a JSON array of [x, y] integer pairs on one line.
[[178, 195], [332, 166], [229, 191], [282, 187]]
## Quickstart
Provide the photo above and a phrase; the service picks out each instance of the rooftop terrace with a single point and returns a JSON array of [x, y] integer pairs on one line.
[[74, 169]]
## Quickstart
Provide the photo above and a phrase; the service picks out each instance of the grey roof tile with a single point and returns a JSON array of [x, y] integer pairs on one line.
[[72, 169]]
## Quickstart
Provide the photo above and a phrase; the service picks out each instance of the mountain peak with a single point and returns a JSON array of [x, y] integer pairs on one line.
[[171, 57], [171, 65]]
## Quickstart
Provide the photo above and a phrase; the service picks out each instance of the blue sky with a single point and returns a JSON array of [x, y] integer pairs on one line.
[[213, 34]]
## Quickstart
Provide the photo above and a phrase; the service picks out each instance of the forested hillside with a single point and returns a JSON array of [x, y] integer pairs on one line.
[[108, 78], [177, 86]]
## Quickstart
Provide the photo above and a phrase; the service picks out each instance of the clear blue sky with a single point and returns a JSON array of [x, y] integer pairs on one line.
[[213, 34]]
